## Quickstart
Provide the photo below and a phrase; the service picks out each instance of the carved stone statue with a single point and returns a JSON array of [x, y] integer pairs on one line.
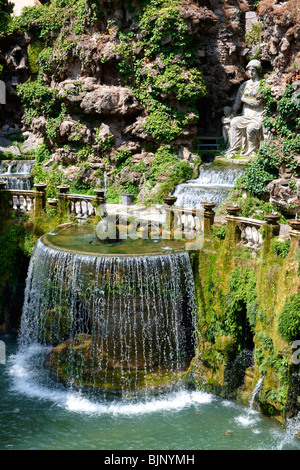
[[245, 132]]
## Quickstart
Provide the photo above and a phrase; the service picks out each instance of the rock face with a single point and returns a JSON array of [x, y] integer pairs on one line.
[[105, 77], [93, 75], [284, 192]]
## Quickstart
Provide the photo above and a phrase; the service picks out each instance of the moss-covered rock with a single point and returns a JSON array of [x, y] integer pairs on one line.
[[247, 318]]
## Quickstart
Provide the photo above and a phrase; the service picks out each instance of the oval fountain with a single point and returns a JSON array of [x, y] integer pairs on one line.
[[118, 313]]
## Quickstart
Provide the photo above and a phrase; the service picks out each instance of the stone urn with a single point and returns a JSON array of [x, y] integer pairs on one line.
[[2, 184], [100, 192], [40, 187], [272, 219], [63, 189], [233, 210], [294, 224], [170, 200], [52, 202], [208, 206]]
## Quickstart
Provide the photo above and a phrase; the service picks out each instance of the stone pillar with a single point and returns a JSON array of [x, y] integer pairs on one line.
[[170, 216], [64, 204], [272, 227], [99, 204], [40, 199], [209, 216], [4, 204], [294, 250], [233, 235]]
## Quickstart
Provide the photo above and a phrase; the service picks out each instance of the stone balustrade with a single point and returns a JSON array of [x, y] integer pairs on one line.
[[188, 220], [82, 206], [251, 234], [21, 200], [244, 230]]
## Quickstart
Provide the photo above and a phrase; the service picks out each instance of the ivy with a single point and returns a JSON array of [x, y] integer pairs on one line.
[[36, 97], [171, 78], [43, 20], [282, 118], [281, 248]]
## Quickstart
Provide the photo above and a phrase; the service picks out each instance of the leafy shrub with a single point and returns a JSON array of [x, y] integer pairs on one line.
[[6, 9], [37, 97], [165, 37], [281, 248], [289, 319], [162, 126], [42, 20], [219, 232], [256, 177]]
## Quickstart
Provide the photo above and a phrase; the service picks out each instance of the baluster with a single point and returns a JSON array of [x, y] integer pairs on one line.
[[79, 209], [31, 203], [84, 209], [11, 202], [17, 202], [73, 207], [91, 209], [22, 203]]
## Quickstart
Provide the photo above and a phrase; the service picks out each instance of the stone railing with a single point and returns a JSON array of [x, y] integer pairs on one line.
[[251, 234], [22, 200], [248, 232], [188, 220], [80, 206], [244, 230]]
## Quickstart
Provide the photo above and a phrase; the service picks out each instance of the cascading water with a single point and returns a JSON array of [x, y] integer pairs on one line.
[[16, 173], [212, 185], [116, 322], [131, 313], [256, 390]]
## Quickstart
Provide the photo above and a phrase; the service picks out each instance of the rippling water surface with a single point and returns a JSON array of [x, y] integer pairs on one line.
[[36, 413]]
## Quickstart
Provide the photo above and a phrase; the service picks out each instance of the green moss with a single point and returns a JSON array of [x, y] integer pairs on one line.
[[241, 298], [289, 319], [33, 51], [166, 163], [281, 248]]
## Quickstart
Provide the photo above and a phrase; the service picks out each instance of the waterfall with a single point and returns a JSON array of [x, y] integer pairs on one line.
[[125, 321], [17, 173], [256, 390], [212, 185]]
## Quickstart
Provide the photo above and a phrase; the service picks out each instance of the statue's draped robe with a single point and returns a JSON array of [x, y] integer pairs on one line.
[[246, 131]]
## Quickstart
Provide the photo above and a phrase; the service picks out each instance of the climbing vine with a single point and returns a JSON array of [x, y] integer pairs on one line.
[[283, 120]]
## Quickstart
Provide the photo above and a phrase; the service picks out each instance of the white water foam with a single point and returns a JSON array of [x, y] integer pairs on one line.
[[27, 381], [248, 419]]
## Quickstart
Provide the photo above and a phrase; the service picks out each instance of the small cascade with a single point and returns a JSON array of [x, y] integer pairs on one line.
[[256, 390], [212, 185], [17, 173], [119, 323]]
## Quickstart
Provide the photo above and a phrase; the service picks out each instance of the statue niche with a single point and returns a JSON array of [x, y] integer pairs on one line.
[[245, 132]]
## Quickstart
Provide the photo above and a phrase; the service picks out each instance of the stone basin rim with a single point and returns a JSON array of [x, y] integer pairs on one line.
[[48, 243]]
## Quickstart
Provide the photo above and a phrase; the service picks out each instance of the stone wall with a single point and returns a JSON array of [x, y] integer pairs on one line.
[[240, 298]]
